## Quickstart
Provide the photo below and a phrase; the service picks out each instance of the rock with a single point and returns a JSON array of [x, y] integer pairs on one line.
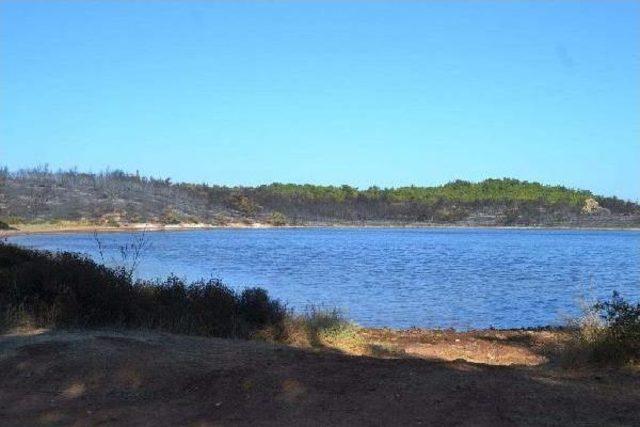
[[592, 207]]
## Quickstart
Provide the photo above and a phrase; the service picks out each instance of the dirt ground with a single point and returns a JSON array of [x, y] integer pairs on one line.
[[407, 378]]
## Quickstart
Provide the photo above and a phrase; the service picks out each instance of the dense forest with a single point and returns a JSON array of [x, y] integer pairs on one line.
[[116, 197]]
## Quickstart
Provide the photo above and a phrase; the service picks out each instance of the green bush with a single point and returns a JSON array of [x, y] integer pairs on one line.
[[13, 220], [170, 216], [608, 334], [221, 219], [112, 222], [623, 326], [67, 290], [277, 219]]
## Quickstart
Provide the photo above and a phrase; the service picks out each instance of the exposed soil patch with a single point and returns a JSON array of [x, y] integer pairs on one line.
[[491, 347]]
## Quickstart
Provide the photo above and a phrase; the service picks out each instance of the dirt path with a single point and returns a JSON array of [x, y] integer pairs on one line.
[[135, 378]]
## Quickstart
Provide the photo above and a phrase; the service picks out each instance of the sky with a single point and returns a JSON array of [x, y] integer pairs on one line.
[[362, 93]]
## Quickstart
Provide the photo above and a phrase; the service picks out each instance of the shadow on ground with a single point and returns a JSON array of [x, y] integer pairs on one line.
[[96, 377]]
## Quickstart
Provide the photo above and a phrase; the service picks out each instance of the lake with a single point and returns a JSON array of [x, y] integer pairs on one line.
[[396, 277]]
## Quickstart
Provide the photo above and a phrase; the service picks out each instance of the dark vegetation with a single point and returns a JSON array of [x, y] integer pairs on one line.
[[116, 197], [608, 334], [66, 290]]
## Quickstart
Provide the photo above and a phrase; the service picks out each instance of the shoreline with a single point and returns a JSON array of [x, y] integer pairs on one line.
[[156, 227], [47, 228]]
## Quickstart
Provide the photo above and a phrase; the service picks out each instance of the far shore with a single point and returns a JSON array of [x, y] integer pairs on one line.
[[74, 227]]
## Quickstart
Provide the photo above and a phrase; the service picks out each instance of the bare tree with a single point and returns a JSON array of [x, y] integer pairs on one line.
[[130, 253], [4, 174]]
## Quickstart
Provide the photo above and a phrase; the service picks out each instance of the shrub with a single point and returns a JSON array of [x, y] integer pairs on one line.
[[15, 220], [68, 290], [192, 219], [133, 217], [609, 333], [256, 307], [277, 219], [623, 325], [320, 327], [4, 226], [111, 222], [170, 216], [220, 219], [509, 216], [242, 203]]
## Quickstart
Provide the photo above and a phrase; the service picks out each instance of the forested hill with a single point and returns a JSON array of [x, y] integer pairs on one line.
[[40, 195]]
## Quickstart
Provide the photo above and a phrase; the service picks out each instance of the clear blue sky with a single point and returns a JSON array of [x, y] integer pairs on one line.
[[328, 93]]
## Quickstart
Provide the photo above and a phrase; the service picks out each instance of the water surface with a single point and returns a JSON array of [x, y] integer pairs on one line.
[[463, 278]]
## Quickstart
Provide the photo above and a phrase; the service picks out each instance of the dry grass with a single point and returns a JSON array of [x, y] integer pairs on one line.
[[608, 333], [318, 327], [586, 335]]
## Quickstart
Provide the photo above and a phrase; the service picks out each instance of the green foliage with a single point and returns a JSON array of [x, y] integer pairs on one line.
[[40, 194], [170, 216], [278, 219], [243, 204], [623, 325], [15, 220], [608, 334], [494, 190], [112, 222]]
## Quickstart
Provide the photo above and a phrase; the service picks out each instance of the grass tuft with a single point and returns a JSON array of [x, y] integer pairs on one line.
[[319, 327]]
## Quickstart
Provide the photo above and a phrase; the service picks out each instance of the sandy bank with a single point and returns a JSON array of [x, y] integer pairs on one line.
[[72, 227]]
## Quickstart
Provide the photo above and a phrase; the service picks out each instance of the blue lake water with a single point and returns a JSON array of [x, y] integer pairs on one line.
[[462, 278]]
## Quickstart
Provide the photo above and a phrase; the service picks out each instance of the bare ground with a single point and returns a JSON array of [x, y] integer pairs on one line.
[[395, 378]]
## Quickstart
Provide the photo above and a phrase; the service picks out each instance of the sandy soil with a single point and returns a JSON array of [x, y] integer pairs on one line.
[[415, 378], [70, 227], [74, 227]]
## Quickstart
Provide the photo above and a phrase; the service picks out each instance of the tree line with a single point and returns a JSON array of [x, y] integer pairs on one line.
[[40, 194]]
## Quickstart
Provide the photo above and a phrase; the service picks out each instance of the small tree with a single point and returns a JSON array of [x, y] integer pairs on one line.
[[277, 219], [170, 216], [243, 204]]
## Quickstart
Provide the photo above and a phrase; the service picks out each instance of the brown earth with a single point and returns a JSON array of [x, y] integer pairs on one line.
[[409, 377]]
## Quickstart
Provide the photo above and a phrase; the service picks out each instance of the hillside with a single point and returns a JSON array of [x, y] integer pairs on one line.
[[116, 197]]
